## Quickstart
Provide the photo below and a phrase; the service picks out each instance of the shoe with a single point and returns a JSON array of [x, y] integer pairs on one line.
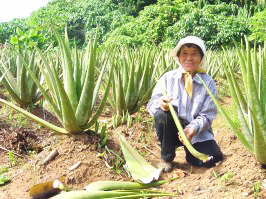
[[166, 166]]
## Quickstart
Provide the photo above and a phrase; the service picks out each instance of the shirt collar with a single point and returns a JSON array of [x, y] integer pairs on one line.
[[195, 78]]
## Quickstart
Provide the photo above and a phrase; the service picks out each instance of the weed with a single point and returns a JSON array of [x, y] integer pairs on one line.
[[124, 119], [32, 153], [227, 177], [215, 174], [103, 132], [224, 178], [11, 158], [113, 160], [139, 118], [256, 188]]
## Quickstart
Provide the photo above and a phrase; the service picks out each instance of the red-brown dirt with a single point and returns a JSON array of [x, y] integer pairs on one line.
[[234, 178]]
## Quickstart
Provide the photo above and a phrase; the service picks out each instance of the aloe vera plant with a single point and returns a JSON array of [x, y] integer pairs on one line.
[[73, 94], [135, 74], [248, 91], [19, 83], [215, 61]]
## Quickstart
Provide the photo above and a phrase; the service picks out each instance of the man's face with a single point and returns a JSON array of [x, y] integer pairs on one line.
[[190, 58]]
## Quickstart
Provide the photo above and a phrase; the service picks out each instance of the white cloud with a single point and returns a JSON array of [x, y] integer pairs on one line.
[[10, 9]]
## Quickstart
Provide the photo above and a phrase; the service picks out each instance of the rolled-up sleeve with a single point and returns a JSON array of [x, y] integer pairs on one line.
[[207, 114]]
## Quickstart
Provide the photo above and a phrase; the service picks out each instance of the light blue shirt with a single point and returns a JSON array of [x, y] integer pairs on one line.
[[199, 110]]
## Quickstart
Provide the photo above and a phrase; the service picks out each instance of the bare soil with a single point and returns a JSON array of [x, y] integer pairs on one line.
[[234, 178]]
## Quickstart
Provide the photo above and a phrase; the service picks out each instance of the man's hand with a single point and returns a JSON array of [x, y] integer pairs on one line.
[[164, 103], [189, 132]]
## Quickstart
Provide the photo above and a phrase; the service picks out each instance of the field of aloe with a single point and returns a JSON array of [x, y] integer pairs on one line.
[[77, 101]]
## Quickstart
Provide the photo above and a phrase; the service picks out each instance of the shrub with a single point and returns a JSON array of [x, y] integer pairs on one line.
[[148, 28], [166, 22], [9, 28], [258, 26]]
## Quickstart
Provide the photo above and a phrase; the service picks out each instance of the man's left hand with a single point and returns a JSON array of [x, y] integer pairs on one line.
[[189, 132]]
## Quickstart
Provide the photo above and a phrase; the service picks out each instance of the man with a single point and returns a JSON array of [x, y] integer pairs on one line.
[[192, 103]]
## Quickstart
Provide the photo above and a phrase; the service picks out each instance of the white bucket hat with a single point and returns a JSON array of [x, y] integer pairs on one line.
[[189, 40]]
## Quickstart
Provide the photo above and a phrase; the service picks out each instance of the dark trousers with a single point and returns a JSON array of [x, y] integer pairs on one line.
[[168, 136]]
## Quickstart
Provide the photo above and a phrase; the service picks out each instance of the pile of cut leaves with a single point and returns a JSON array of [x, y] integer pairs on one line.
[[144, 174]]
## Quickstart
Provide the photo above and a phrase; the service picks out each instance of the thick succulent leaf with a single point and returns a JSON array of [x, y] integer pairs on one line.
[[111, 194], [235, 128], [91, 194], [137, 166], [122, 185], [186, 142], [35, 118]]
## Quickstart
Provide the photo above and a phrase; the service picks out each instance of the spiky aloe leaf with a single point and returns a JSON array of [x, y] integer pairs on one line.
[[110, 194], [186, 142], [35, 118], [137, 166], [122, 185]]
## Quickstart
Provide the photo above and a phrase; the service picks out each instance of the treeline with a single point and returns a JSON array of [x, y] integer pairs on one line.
[[139, 22]]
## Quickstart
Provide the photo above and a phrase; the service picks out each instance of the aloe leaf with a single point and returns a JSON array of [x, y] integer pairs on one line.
[[43, 90], [35, 118], [69, 119], [186, 142], [138, 167], [91, 194], [241, 105], [94, 118], [78, 71], [122, 185], [107, 194], [120, 95], [235, 128], [84, 107], [68, 79], [12, 92], [98, 84]]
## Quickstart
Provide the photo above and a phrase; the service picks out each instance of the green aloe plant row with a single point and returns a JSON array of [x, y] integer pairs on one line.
[[71, 88], [18, 83], [135, 74], [248, 91], [215, 61]]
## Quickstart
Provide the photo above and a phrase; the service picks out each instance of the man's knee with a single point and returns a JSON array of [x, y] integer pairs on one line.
[[218, 156], [161, 115]]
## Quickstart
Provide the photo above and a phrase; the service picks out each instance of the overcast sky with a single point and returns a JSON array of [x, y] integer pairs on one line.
[[10, 9]]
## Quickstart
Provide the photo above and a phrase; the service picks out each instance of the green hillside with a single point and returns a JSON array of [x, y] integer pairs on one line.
[[139, 22]]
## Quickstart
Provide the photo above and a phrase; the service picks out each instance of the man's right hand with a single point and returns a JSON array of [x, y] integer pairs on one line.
[[164, 103]]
